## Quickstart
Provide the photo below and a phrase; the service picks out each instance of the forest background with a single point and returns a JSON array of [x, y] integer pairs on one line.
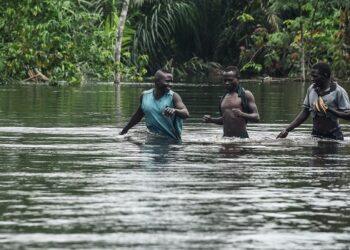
[[75, 40]]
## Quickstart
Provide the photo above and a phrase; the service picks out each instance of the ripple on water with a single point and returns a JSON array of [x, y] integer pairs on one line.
[[91, 188]]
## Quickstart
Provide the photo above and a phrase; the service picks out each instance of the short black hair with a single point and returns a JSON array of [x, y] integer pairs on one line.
[[160, 74], [232, 68], [323, 68]]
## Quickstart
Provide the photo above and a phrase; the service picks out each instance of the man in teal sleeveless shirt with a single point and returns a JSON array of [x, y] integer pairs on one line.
[[162, 108], [237, 106]]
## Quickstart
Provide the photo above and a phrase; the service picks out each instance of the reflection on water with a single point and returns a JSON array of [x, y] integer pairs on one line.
[[75, 183]]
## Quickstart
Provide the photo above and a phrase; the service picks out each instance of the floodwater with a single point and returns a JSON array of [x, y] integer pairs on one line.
[[68, 180]]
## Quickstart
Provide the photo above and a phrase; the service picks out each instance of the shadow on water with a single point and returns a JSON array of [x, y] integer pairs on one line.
[[159, 150], [323, 152], [232, 151], [329, 164]]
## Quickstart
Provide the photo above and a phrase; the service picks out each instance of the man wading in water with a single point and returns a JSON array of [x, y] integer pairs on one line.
[[162, 108], [326, 101], [237, 106]]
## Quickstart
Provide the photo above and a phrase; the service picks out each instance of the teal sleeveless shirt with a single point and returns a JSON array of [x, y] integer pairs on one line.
[[156, 121]]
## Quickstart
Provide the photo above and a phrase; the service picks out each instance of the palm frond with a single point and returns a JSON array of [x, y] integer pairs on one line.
[[156, 30]]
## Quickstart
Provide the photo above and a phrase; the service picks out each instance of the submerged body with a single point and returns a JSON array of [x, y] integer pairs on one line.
[[156, 121], [326, 124], [237, 107], [162, 108], [326, 101], [233, 124]]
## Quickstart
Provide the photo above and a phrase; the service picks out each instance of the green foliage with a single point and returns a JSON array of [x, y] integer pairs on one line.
[[245, 18], [251, 68], [157, 23], [71, 40], [65, 40], [193, 67], [310, 25]]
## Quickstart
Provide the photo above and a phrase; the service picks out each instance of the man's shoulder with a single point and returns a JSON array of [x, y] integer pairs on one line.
[[340, 92], [173, 93], [248, 93], [147, 92], [311, 87], [339, 87]]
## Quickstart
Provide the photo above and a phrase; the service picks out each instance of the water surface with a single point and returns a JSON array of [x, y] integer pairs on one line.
[[68, 180]]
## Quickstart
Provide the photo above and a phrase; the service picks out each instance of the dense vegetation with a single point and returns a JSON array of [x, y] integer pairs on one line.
[[71, 40]]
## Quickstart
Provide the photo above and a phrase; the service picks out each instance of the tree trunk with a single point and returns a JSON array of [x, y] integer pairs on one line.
[[346, 35], [118, 40], [302, 46]]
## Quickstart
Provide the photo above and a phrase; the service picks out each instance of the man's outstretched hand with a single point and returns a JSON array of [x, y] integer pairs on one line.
[[123, 132], [207, 118], [283, 134]]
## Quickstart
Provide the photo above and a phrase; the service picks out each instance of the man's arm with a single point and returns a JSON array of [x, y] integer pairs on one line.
[[208, 119], [343, 107], [253, 116], [301, 117], [180, 109], [341, 114], [135, 119]]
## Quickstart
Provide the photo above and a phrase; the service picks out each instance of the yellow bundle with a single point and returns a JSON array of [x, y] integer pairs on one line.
[[320, 105]]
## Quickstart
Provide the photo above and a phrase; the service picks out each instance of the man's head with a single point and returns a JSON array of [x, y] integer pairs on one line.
[[231, 78], [163, 80], [320, 73]]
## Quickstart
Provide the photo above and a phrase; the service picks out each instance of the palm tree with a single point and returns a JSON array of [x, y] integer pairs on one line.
[[152, 32], [158, 26]]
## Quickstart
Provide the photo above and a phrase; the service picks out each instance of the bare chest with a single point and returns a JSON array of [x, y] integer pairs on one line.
[[231, 101]]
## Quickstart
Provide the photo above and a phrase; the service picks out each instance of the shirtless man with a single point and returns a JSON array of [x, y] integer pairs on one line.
[[237, 106], [326, 101]]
